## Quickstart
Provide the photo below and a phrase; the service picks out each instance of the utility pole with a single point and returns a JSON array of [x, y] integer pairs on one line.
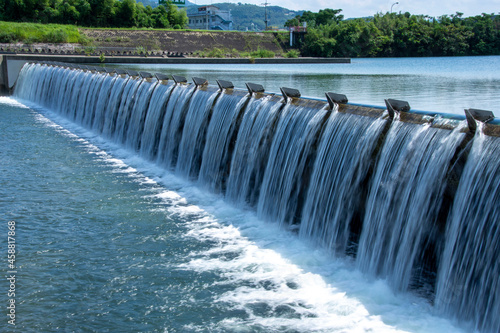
[[265, 12]]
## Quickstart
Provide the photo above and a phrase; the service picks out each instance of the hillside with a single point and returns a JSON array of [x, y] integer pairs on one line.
[[245, 14]]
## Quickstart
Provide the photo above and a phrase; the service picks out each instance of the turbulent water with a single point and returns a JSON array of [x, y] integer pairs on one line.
[[144, 205], [473, 243], [404, 199]]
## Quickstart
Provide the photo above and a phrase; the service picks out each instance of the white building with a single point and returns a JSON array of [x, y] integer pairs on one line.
[[211, 18]]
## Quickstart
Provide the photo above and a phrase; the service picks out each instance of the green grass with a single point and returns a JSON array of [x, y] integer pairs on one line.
[[12, 32], [260, 53], [292, 54]]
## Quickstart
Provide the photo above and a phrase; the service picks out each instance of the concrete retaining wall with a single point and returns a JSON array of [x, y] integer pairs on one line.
[[3, 77]]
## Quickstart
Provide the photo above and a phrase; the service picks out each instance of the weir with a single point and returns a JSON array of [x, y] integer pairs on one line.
[[414, 198]]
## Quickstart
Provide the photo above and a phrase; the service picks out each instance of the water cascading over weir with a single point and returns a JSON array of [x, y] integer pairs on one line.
[[413, 197]]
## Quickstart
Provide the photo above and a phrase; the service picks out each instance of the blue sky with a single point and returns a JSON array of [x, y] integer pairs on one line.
[[361, 8]]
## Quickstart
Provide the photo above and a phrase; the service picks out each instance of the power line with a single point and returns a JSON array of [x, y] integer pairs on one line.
[[265, 12]]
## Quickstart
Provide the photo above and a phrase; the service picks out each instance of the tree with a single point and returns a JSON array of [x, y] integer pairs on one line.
[[126, 13], [160, 17], [68, 14], [144, 16], [293, 22], [176, 18], [328, 16], [318, 43], [103, 13]]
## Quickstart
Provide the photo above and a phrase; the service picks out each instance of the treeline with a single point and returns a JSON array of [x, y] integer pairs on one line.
[[94, 13], [398, 35]]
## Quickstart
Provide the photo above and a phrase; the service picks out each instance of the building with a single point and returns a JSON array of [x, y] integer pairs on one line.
[[174, 2], [211, 18]]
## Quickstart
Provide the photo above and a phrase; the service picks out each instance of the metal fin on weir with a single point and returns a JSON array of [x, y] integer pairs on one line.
[[401, 106], [133, 73], [474, 115], [198, 81], [289, 93], [225, 84], [121, 71], [161, 77], [254, 88], [179, 79], [394, 105], [334, 98], [146, 75]]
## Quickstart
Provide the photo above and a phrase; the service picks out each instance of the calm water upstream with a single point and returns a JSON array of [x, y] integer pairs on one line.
[[107, 241], [444, 84]]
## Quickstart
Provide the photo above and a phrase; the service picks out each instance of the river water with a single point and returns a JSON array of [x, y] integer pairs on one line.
[[109, 242], [439, 84]]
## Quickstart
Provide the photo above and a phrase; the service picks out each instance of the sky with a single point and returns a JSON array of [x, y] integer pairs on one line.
[[362, 8]]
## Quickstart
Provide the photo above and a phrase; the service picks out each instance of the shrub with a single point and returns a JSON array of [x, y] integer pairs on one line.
[[216, 53], [84, 40], [292, 54], [262, 54], [89, 50], [141, 50], [56, 36], [7, 37]]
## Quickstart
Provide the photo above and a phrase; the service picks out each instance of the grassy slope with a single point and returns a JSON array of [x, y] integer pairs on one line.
[[11, 32]]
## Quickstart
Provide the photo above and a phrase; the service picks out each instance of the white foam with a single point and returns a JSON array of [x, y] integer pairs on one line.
[[273, 283], [12, 102]]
